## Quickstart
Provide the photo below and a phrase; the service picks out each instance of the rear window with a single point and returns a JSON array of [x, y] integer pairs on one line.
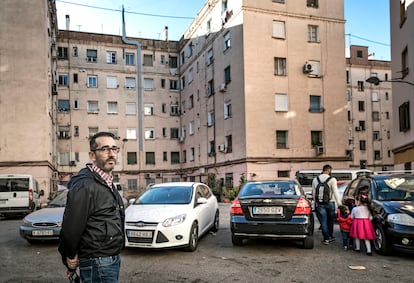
[[14, 185], [270, 188]]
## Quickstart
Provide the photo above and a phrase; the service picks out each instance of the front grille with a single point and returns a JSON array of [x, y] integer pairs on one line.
[[141, 224], [45, 225]]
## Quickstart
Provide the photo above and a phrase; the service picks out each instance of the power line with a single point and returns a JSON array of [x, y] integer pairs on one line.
[[372, 41], [129, 12]]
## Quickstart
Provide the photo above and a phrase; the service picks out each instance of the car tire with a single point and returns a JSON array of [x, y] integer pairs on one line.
[[308, 242], [381, 245], [237, 241], [216, 222], [192, 239]]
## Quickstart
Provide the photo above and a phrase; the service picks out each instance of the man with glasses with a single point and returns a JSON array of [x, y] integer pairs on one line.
[[92, 234]]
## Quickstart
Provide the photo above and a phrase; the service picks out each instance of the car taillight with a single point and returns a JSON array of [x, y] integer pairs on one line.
[[30, 195], [235, 208], [303, 207]]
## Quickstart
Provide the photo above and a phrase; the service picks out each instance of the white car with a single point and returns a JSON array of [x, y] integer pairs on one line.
[[171, 215]]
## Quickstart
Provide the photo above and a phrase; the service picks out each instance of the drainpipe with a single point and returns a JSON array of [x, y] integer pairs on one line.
[[139, 84]]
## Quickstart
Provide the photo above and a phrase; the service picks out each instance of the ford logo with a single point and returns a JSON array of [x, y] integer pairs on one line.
[[140, 224]]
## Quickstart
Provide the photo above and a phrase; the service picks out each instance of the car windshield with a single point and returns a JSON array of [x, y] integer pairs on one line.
[[59, 200], [396, 188], [269, 188], [166, 195]]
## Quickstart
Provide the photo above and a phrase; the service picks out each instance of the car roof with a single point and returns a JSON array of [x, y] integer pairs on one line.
[[177, 184]]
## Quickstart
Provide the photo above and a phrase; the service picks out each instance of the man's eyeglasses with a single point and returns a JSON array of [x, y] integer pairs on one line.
[[107, 149]]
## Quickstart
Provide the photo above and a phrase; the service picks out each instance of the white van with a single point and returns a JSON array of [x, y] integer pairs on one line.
[[19, 194]]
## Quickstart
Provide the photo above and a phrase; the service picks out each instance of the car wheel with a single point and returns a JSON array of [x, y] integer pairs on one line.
[[237, 241], [216, 222], [308, 242], [193, 239], [381, 245]]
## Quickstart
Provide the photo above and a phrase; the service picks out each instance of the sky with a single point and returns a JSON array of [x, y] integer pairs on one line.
[[367, 21]]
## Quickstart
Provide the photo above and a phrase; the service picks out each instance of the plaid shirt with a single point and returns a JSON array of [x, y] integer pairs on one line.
[[106, 177]]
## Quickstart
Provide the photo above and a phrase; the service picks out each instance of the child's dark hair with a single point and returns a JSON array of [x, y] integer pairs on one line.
[[343, 209], [363, 198]]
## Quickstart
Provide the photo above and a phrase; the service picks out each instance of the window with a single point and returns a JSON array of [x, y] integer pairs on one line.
[[227, 76], [114, 131], [190, 75], [184, 155], [112, 107], [359, 54], [164, 131], [91, 55], [174, 133], [129, 83], [227, 110], [64, 132], [229, 143], [130, 58], [63, 80], [131, 158], [76, 104], [130, 108], [362, 145], [75, 78], [404, 63], [190, 49], [174, 110], [227, 40], [375, 96], [173, 62], [360, 86], [64, 158], [149, 109], [149, 133], [281, 139], [131, 133], [375, 116], [279, 29], [164, 108], [76, 131], [212, 148], [313, 33], [93, 106], [175, 157], [387, 96], [312, 3], [192, 153], [191, 128], [208, 25], [174, 84], [361, 106], [315, 104], [63, 105], [148, 84], [164, 156], [362, 125], [316, 138], [75, 51], [377, 155], [403, 12], [111, 82], [92, 81], [376, 135], [210, 88], [92, 131], [149, 157], [404, 116], [387, 115], [162, 59], [283, 173], [148, 60], [62, 52], [279, 1], [281, 102], [182, 82], [228, 180], [210, 56], [162, 83], [111, 57], [210, 118], [132, 184], [280, 66], [191, 101]]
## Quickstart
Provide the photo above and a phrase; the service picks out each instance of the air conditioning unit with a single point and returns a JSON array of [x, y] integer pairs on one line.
[[202, 170], [182, 138], [223, 87], [357, 129], [72, 163], [147, 175], [159, 175], [320, 150], [222, 147], [117, 176], [307, 68]]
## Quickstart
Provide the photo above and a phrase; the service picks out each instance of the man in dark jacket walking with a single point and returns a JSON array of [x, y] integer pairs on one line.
[[92, 234]]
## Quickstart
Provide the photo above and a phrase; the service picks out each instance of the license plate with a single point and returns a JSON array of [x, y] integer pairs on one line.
[[268, 210], [139, 234], [42, 233]]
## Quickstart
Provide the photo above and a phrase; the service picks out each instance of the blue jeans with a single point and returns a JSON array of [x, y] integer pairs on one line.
[[100, 270], [345, 238], [326, 217]]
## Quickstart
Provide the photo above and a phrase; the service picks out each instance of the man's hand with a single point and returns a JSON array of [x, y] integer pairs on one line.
[[72, 263]]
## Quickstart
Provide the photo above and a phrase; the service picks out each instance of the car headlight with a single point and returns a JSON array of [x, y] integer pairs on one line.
[[174, 220], [401, 219], [26, 223]]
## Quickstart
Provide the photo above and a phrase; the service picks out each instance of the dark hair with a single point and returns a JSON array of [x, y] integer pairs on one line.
[[92, 143], [363, 198], [343, 209], [326, 167]]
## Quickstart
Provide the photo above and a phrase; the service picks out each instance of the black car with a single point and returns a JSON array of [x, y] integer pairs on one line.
[[392, 207], [272, 209]]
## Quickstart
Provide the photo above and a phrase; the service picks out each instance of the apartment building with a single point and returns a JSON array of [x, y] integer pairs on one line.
[[27, 94], [369, 111], [402, 57]]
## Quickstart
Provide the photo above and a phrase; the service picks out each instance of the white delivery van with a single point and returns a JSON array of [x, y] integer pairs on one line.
[[19, 194]]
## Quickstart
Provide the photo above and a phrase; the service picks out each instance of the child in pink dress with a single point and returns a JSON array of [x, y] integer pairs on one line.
[[361, 228]]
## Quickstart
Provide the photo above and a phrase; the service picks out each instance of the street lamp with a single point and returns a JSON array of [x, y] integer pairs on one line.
[[377, 81]]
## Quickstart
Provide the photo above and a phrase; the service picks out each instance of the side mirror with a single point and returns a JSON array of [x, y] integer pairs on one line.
[[131, 201], [201, 200]]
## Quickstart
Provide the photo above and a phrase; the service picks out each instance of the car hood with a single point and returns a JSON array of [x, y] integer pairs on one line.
[[400, 207], [153, 213], [46, 215]]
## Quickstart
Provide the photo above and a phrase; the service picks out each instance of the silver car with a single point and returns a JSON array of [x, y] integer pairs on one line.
[[45, 224]]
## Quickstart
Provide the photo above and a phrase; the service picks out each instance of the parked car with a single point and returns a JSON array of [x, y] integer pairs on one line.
[[392, 206], [171, 215], [273, 209], [45, 224]]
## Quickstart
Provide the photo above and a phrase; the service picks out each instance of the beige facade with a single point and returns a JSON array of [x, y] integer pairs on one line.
[[402, 57], [370, 111], [27, 100]]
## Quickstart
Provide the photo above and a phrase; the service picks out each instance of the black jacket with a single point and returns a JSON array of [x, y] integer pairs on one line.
[[93, 222]]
